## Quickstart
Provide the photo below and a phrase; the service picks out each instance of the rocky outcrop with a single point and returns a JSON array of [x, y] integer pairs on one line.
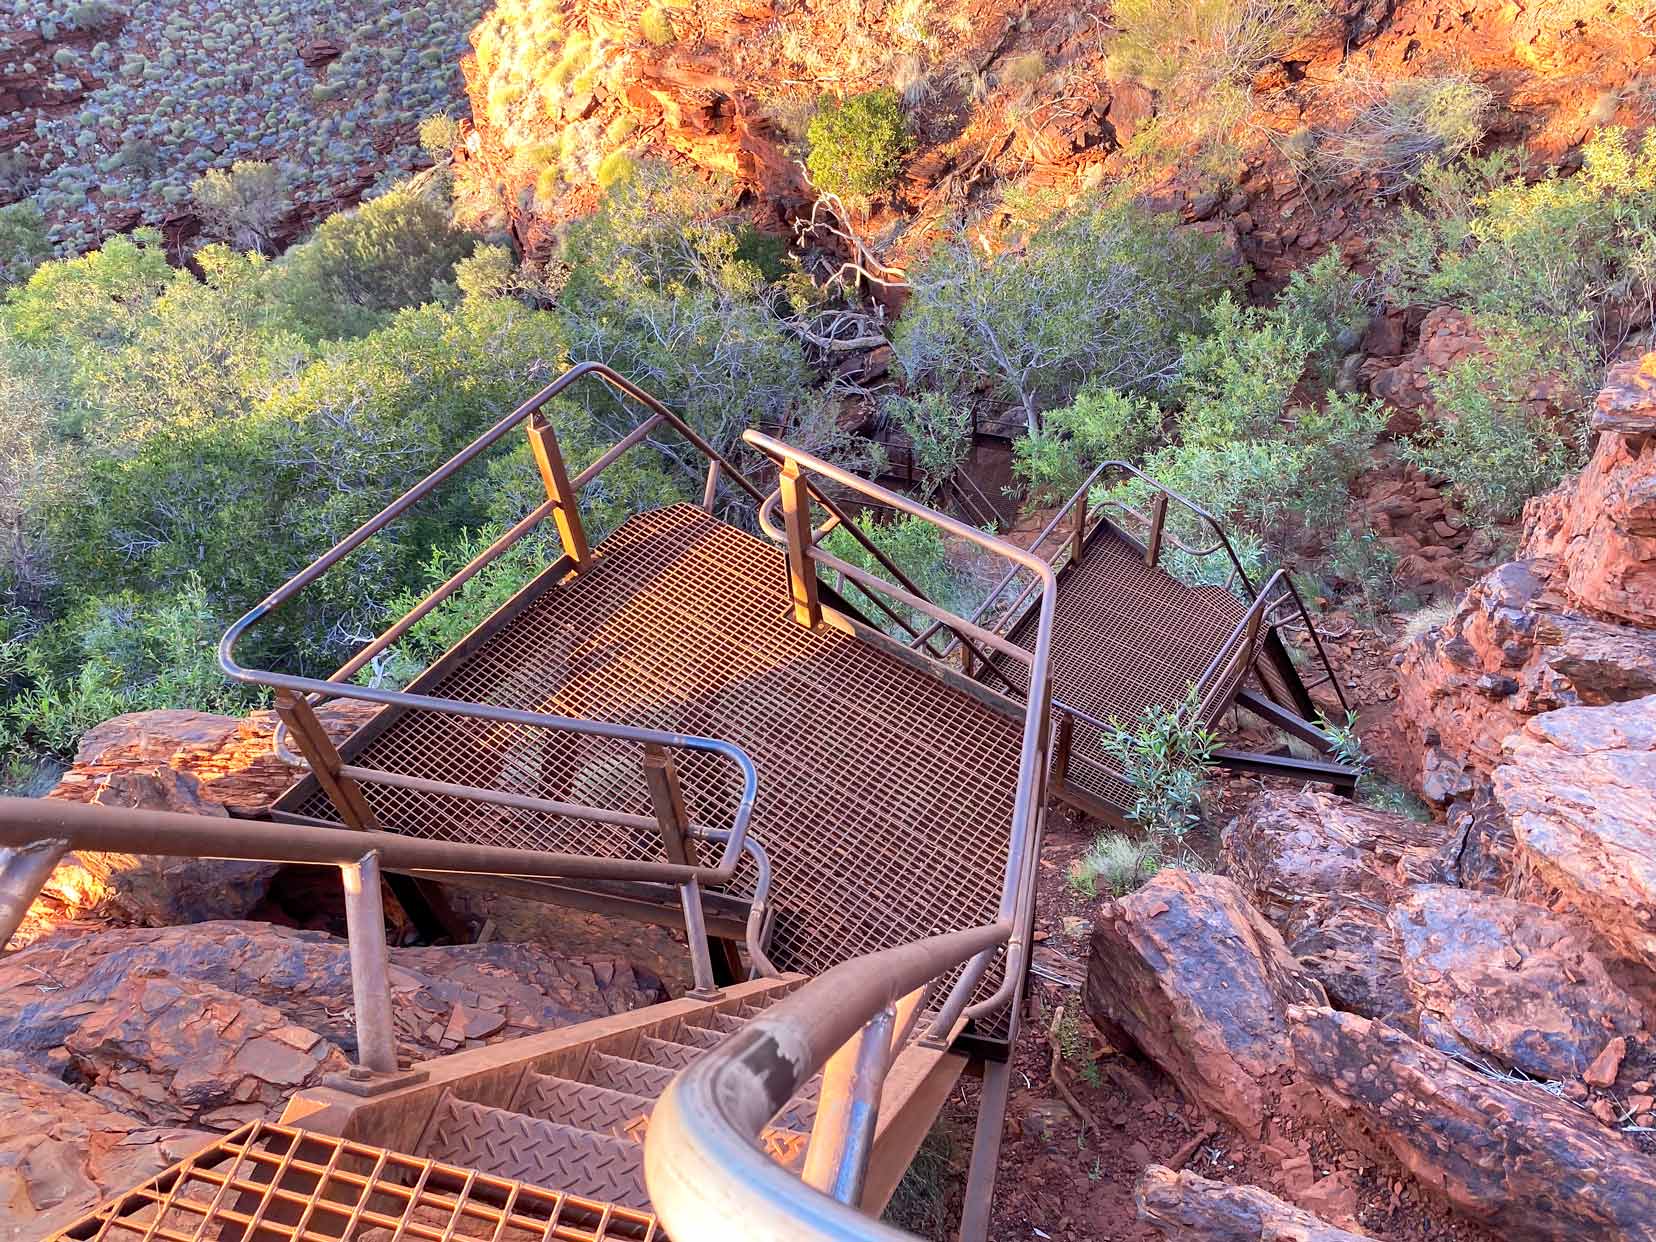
[[1189, 1208], [193, 762], [1514, 1159], [1325, 872], [61, 1151], [1578, 787], [1503, 981], [1188, 973], [1571, 623], [1601, 528], [164, 1024]]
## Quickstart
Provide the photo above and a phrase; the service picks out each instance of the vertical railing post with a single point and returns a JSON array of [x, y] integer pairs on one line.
[[370, 964], [1078, 536], [802, 575], [673, 821], [543, 443], [1158, 521], [305, 727], [23, 871], [1059, 771], [710, 490], [848, 1111]]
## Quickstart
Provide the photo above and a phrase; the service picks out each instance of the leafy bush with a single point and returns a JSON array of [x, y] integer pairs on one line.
[[242, 205], [857, 144], [940, 432], [1329, 306], [1396, 127], [1164, 756], [1361, 563], [1105, 292], [1100, 425], [1493, 450], [23, 244], [440, 134], [359, 266]]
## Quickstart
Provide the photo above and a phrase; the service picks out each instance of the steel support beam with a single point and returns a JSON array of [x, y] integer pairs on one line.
[[22, 873], [370, 964], [986, 1144]]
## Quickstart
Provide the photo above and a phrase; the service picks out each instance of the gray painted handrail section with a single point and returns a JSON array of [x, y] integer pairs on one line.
[[703, 1168]]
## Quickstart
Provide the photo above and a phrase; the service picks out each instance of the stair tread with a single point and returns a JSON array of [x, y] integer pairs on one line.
[[545, 1153], [618, 1073]]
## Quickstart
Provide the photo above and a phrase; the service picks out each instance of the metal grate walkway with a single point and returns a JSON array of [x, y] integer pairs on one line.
[[885, 796], [1125, 636]]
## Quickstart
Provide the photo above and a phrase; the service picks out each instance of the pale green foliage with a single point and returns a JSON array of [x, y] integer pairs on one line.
[[23, 244], [1494, 451], [1164, 756], [916, 547], [1236, 379], [1395, 127], [1190, 44], [857, 144], [658, 289], [940, 431], [1103, 293], [359, 266], [1330, 306], [1099, 425], [656, 26], [241, 205], [1114, 864], [440, 134], [1362, 564]]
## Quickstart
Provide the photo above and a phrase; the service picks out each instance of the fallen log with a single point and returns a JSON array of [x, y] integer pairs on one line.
[[1510, 1157], [1190, 1208]]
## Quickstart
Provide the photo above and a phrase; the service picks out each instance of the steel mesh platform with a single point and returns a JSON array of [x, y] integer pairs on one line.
[[1125, 636], [885, 797], [271, 1183]]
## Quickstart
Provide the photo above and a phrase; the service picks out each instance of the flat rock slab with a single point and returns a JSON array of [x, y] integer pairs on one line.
[[1513, 1158], [1509, 981], [1188, 972], [61, 1151], [1578, 787], [1190, 1208]]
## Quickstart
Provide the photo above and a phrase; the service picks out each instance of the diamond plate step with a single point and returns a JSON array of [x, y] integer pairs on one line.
[[545, 1153], [665, 1052], [625, 1116], [604, 1069], [585, 1105], [702, 1037]]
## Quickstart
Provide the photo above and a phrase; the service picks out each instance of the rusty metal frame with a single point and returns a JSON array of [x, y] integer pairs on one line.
[[1017, 901], [281, 1184], [298, 694]]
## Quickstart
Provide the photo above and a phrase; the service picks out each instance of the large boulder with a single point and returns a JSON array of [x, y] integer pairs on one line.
[[1578, 787], [191, 762], [1508, 982], [1186, 971], [1568, 624], [61, 1151], [1325, 871], [220, 1022], [1513, 1158]]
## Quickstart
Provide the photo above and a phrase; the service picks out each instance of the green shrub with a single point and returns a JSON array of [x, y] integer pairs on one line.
[[1105, 292], [940, 433], [857, 144], [1397, 127], [23, 244], [616, 166], [440, 134], [359, 266], [1360, 563], [1329, 306], [242, 204], [1100, 424], [1493, 451], [1164, 757], [656, 26]]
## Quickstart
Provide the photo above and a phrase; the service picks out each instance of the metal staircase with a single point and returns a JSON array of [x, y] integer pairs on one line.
[[685, 724]]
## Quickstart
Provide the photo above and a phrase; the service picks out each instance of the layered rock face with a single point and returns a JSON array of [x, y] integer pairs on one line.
[[192, 762], [1571, 623]]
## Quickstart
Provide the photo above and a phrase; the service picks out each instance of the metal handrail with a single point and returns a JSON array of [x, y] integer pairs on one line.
[[338, 685], [702, 1165], [1017, 886], [1080, 496]]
